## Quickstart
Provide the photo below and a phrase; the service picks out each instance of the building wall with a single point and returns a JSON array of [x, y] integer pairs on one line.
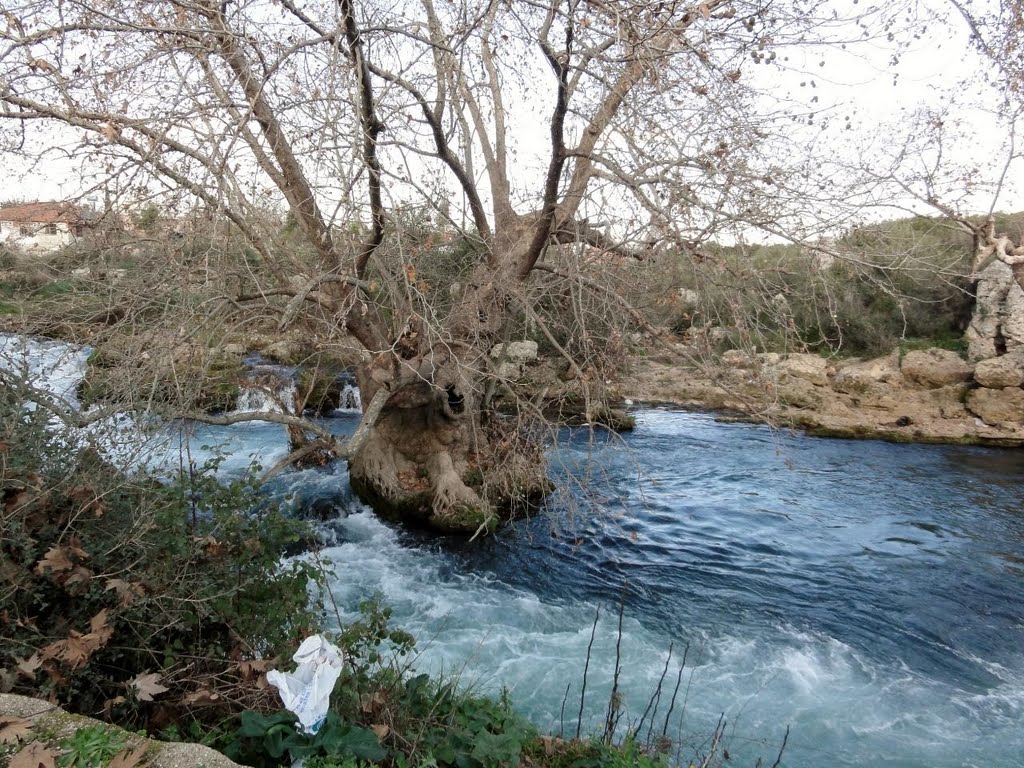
[[36, 237]]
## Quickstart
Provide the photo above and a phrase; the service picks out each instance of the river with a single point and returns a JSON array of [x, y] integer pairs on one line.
[[869, 596]]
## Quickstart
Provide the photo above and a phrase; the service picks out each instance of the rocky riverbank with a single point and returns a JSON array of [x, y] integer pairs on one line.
[[930, 395]]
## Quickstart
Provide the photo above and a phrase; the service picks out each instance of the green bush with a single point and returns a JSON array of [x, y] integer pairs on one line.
[[134, 598], [897, 281]]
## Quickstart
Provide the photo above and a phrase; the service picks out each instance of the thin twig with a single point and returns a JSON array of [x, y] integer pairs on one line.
[[561, 714], [781, 749], [675, 693], [586, 667], [652, 703], [613, 704]]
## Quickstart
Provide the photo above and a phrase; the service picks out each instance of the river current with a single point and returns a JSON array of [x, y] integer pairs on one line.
[[868, 596]]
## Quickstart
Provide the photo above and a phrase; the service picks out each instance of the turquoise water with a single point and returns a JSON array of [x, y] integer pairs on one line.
[[868, 596]]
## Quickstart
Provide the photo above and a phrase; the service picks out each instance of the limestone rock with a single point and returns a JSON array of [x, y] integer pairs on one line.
[[514, 356], [516, 351], [997, 406], [285, 351], [932, 368], [1003, 371], [804, 366], [49, 722], [689, 297], [737, 358], [860, 375], [997, 324]]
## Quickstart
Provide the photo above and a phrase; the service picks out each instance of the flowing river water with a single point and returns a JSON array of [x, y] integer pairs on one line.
[[868, 596]]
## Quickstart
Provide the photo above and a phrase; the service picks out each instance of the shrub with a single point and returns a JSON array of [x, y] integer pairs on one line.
[[140, 600]]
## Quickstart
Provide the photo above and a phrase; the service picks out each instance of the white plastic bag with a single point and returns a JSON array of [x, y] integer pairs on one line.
[[307, 690]]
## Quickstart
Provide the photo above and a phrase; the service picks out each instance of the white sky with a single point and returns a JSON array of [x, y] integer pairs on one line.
[[876, 98]]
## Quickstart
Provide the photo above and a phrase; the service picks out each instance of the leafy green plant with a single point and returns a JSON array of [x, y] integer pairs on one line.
[[92, 747], [122, 592], [264, 740]]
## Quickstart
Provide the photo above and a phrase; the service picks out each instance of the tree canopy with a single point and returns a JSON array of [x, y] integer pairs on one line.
[[547, 142]]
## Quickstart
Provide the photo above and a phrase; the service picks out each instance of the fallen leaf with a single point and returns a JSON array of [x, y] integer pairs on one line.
[[381, 730], [14, 729], [253, 667], [75, 548], [109, 704], [28, 666], [202, 696], [125, 590], [147, 686], [79, 575], [100, 627], [35, 755], [56, 559], [128, 758]]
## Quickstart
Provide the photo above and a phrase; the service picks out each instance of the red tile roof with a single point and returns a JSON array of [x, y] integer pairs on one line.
[[41, 213]]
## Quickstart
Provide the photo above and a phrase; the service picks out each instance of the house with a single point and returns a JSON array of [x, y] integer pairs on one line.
[[41, 226]]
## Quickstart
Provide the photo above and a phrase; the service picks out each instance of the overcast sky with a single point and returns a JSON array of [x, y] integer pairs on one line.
[[863, 103]]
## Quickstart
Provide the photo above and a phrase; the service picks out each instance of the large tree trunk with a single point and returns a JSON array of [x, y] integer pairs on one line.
[[433, 455]]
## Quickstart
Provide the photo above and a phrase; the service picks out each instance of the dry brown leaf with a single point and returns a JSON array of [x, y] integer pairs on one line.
[[253, 667], [381, 730], [202, 696], [79, 575], [56, 559], [125, 590], [28, 666], [74, 547], [372, 703], [147, 686], [100, 627], [14, 729], [20, 499], [109, 704], [35, 755], [73, 651], [128, 758]]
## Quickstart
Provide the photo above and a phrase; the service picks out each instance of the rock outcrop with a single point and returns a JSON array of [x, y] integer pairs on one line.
[[929, 396], [934, 368], [998, 407], [47, 725], [997, 325], [1003, 371]]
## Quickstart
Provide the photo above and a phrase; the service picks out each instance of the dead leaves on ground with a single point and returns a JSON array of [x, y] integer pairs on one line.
[[14, 729], [38, 755], [76, 648], [63, 564], [35, 755]]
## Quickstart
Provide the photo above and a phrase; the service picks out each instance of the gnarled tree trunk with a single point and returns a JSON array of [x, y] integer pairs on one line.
[[433, 454]]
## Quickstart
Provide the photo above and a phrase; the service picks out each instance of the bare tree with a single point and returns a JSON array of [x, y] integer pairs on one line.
[[553, 141]]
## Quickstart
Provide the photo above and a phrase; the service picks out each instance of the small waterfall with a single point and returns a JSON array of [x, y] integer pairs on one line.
[[349, 401], [267, 389], [52, 367]]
